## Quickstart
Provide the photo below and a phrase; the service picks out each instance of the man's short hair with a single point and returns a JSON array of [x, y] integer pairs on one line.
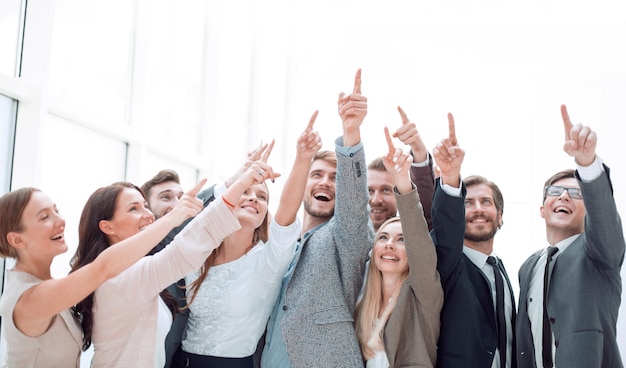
[[497, 194], [563, 174], [328, 156], [377, 164], [162, 177]]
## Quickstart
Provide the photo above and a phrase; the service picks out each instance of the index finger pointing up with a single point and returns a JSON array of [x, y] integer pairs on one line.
[[392, 148], [567, 123], [357, 82], [451, 130], [405, 119], [267, 152], [311, 121], [194, 191]]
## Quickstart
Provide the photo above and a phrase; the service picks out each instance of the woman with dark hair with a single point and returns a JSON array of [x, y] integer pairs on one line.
[[37, 324], [125, 317], [231, 297]]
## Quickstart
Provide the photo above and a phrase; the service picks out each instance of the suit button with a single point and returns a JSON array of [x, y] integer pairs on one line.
[[284, 307], [552, 319]]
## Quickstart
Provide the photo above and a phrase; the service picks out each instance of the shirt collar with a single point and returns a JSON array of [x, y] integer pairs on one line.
[[562, 245], [478, 258]]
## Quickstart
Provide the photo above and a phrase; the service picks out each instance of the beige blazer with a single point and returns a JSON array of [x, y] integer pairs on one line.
[[412, 331]]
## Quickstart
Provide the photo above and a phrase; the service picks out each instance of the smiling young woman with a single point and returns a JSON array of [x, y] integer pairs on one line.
[[38, 326]]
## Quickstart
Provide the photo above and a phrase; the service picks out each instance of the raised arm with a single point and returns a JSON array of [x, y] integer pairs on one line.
[[448, 212], [422, 176], [39, 304], [603, 227], [352, 110], [308, 144], [420, 250]]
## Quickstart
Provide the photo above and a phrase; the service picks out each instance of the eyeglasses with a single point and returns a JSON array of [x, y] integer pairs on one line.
[[555, 191]]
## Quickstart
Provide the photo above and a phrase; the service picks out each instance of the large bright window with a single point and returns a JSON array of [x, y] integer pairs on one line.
[[10, 35], [93, 92]]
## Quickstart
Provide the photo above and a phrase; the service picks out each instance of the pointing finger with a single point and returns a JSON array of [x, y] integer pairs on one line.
[[389, 141], [309, 127], [567, 123], [194, 191], [405, 119], [452, 130], [255, 155], [357, 82], [267, 152]]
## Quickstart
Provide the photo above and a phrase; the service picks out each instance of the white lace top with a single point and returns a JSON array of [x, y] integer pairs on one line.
[[233, 304]]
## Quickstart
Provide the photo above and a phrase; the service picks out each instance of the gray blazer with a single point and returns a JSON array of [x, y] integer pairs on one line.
[[585, 289], [318, 321]]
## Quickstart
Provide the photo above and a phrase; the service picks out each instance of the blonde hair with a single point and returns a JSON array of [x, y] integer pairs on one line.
[[369, 306]]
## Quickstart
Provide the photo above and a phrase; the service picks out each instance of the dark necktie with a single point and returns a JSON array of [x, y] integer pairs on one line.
[[499, 310], [547, 331]]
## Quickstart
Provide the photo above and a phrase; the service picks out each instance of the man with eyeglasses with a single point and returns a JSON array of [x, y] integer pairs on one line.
[[570, 292]]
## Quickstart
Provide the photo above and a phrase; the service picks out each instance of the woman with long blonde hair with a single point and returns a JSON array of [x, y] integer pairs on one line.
[[397, 317]]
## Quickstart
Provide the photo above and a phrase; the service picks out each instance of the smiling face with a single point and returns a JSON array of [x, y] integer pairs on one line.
[[131, 216], [43, 229], [252, 207], [319, 194], [482, 218], [563, 215], [381, 198], [164, 197], [389, 252]]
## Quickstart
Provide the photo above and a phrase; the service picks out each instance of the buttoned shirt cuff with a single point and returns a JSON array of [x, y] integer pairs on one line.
[[347, 151], [591, 172]]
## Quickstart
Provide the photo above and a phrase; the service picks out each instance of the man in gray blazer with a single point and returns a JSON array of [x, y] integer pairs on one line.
[[584, 285], [312, 322]]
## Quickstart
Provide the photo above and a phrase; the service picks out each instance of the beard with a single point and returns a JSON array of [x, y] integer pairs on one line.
[[326, 214], [481, 236]]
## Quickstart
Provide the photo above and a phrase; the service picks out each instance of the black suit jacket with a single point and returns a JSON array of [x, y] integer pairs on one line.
[[468, 334]]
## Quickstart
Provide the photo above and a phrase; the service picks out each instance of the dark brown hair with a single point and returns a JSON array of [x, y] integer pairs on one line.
[[162, 176], [563, 174], [497, 194], [12, 207], [92, 241]]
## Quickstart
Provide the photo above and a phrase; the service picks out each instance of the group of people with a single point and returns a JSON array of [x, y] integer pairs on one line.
[[389, 266]]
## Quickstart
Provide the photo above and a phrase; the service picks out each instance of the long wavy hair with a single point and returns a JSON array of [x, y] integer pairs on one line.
[[261, 233], [369, 306], [92, 241]]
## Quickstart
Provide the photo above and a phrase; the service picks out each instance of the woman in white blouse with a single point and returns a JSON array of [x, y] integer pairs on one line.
[[126, 319], [231, 297]]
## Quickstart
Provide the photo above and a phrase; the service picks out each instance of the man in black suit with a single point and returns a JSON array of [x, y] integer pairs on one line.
[[469, 326]]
